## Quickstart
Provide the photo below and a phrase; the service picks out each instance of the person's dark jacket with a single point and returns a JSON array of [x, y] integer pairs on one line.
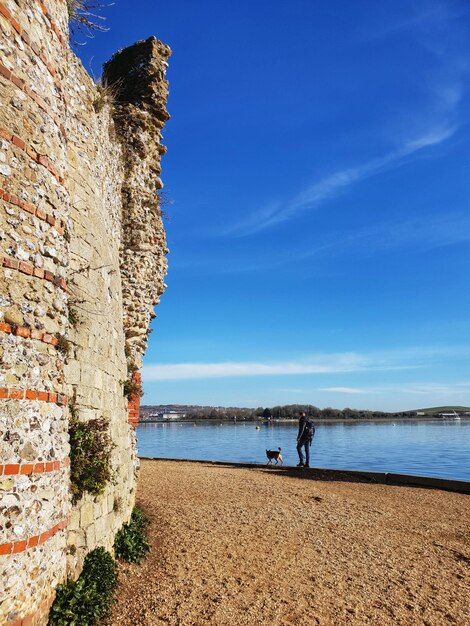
[[305, 432]]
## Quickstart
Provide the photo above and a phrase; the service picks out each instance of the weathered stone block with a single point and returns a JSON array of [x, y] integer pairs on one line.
[[74, 523], [72, 372], [86, 514]]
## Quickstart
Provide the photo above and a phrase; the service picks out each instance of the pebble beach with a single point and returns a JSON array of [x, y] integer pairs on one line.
[[258, 546]]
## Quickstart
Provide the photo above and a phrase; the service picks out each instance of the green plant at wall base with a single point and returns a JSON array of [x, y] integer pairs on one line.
[[130, 543], [90, 457], [87, 600]]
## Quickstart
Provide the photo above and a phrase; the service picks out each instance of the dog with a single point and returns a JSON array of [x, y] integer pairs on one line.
[[274, 455]]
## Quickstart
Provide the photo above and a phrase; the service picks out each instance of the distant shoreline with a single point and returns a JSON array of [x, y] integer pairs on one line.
[[283, 420]]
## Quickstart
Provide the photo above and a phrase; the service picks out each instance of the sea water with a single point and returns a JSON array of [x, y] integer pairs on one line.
[[419, 447]]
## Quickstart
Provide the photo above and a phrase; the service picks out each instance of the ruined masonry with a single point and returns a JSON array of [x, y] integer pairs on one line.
[[83, 261]]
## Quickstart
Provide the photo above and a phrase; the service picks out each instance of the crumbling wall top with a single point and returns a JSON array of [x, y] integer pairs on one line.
[[135, 75]]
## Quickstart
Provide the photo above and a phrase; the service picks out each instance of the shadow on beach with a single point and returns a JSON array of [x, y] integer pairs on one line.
[[322, 474]]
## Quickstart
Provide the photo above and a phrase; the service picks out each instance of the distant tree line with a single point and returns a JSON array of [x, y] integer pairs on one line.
[[221, 413], [291, 411]]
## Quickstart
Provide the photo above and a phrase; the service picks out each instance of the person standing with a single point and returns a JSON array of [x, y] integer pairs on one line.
[[304, 439]]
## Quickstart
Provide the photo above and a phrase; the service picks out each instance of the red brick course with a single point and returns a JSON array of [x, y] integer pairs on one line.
[[20, 546], [42, 159], [54, 26], [27, 40], [31, 394], [32, 270], [19, 143], [59, 225], [19, 82]]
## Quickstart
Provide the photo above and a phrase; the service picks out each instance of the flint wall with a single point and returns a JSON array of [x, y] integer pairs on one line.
[[79, 170]]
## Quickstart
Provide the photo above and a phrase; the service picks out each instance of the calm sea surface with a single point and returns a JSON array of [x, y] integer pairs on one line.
[[425, 448]]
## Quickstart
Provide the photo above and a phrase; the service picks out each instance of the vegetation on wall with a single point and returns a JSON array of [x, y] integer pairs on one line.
[[88, 599], [164, 202], [73, 316], [105, 94], [84, 16], [85, 20], [132, 389], [131, 542], [63, 344], [90, 456], [101, 99]]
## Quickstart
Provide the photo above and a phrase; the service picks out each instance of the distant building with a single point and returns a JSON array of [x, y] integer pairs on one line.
[[164, 415], [453, 415], [173, 415]]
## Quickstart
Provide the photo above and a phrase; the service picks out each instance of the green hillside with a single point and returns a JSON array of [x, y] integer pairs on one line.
[[443, 409]]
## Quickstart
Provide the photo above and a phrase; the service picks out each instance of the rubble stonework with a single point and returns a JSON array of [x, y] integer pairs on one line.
[[82, 263], [136, 78]]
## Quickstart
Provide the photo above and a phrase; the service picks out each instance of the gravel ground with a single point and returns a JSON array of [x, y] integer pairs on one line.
[[260, 547]]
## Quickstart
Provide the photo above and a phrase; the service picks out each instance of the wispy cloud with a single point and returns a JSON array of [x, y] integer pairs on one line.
[[412, 388], [415, 234], [410, 236], [316, 364], [424, 16], [339, 182], [430, 120], [323, 364]]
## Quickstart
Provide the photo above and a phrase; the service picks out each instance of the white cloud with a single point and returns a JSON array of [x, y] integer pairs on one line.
[[417, 388], [408, 358], [432, 137], [354, 390], [324, 364], [318, 364]]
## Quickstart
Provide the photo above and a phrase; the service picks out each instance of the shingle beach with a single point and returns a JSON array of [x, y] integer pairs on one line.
[[255, 547]]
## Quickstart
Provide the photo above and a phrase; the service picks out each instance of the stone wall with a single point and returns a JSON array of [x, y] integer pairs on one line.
[[82, 255], [136, 75]]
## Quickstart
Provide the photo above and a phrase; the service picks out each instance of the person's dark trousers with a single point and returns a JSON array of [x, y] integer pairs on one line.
[[304, 443]]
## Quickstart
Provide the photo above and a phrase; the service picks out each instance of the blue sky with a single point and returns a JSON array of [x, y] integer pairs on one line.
[[318, 171]]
